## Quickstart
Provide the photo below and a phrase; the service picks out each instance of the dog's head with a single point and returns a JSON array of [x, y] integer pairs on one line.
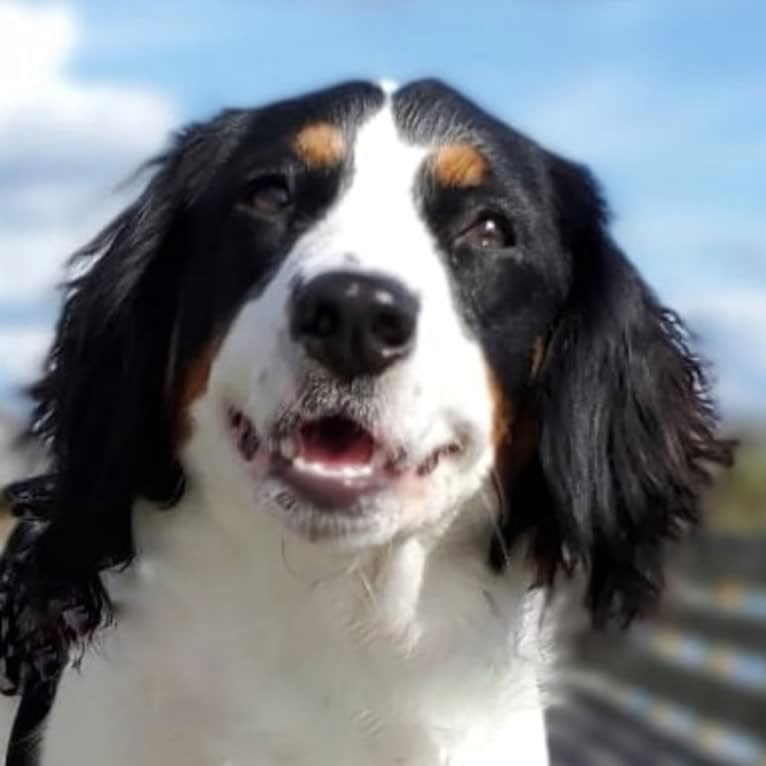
[[356, 309]]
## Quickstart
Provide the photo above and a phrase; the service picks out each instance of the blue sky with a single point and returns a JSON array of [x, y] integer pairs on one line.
[[665, 100]]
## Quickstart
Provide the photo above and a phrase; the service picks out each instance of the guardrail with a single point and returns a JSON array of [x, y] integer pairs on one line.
[[689, 687]]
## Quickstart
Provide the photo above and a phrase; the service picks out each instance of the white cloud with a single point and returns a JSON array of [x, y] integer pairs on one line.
[[64, 145], [35, 44], [45, 112], [745, 307], [22, 351], [731, 323]]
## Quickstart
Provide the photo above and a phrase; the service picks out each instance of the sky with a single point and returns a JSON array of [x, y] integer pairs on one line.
[[666, 101]]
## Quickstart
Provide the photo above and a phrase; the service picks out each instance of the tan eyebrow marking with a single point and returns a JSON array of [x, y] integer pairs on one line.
[[459, 165], [320, 144]]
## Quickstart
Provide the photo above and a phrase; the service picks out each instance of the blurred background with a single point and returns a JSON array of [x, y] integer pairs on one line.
[[666, 101]]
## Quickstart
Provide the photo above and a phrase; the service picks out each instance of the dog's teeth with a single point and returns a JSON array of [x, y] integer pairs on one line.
[[326, 471], [287, 448], [355, 472], [306, 466], [321, 469]]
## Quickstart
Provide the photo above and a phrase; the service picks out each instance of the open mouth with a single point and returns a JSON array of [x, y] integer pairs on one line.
[[332, 461]]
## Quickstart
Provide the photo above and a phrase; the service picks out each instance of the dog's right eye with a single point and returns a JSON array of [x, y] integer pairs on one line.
[[489, 232], [269, 195]]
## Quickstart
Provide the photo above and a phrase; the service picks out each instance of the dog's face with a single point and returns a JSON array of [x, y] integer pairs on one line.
[[395, 274], [355, 310]]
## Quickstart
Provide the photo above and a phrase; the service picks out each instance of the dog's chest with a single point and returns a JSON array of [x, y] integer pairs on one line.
[[271, 658]]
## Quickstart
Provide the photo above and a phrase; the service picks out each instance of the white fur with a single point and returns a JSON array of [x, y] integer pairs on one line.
[[250, 646], [241, 643], [440, 393]]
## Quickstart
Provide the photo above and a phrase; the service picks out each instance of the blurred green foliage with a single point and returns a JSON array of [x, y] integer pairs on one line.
[[738, 501]]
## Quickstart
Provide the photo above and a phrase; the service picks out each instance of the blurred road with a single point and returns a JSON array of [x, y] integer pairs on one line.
[[587, 731]]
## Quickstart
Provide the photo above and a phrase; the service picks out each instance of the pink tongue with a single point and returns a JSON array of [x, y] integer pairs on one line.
[[335, 441]]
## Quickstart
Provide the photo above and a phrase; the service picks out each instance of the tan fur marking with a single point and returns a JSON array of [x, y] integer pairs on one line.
[[459, 165], [193, 386], [501, 412], [320, 145]]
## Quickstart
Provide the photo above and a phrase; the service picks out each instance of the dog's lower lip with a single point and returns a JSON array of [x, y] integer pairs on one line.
[[331, 462], [328, 492]]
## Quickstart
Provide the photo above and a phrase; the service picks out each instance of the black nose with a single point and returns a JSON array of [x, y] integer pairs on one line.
[[354, 324]]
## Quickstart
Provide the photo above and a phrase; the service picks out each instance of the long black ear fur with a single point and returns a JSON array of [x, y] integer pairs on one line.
[[101, 406], [101, 411], [627, 430]]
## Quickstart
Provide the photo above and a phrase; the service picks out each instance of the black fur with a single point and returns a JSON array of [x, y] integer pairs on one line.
[[105, 408], [626, 426], [622, 428], [101, 406], [101, 412]]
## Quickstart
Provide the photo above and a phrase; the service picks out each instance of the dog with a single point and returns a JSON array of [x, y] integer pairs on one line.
[[357, 382]]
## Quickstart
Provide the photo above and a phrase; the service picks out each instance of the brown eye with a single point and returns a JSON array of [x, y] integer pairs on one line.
[[270, 195], [489, 232]]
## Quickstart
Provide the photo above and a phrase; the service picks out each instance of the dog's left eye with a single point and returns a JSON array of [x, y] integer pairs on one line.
[[489, 232], [270, 195]]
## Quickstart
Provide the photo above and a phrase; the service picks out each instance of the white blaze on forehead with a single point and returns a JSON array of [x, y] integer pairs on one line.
[[376, 225], [389, 86], [437, 395]]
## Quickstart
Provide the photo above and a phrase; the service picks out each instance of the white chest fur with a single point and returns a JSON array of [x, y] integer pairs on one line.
[[234, 651]]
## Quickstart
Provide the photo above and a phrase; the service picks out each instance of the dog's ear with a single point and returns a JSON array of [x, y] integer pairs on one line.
[[626, 430], [100, 405]]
